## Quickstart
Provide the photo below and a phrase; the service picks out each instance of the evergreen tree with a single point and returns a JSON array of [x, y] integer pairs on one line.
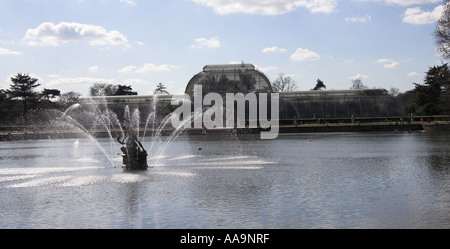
[[22, 87], [125, 90], [160, 89], [319, 85], [432, 98], [50, 93]]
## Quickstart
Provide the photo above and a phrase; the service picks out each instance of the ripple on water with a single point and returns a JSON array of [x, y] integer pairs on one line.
[[128, 178], [41, 182]]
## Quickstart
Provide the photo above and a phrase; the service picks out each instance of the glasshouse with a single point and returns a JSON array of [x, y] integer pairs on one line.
[[243, 78], [338, 104]]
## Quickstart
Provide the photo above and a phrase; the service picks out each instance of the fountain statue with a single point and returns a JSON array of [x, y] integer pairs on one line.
[[133, 153]]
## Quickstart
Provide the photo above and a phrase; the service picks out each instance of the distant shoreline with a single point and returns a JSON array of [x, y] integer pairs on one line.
[[287, 129]]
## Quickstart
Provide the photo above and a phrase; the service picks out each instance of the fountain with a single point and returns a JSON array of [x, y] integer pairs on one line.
[[96, 114], [133, 152]]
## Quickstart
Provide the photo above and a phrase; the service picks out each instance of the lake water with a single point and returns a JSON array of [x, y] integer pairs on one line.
[[326, 180]]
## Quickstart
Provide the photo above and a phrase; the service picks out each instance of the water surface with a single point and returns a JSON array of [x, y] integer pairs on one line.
[[326, 180]]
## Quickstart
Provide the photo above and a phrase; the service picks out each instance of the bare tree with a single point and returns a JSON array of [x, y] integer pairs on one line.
[[70, 98], [102, 89], [442, 32], [394, 92], [284, 84], [357, 84]]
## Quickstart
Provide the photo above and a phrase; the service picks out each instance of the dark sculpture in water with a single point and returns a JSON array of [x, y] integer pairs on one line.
[[133, 153]]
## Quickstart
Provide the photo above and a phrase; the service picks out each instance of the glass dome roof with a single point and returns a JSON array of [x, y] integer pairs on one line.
[[230, 78]]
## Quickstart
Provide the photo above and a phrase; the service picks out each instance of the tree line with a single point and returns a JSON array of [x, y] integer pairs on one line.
[[430, 98], [287, 84], [22, 97]]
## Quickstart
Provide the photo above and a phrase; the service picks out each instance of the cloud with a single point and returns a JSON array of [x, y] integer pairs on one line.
[[317, 6], [206, 43], [418, 16], [394, 64], [267, 7], [146, 68], [273, 49], [403, 2], [358, 19], [132, 3], [359, 77], [5, 51], [95, 69], [303, 54], [388, 63], [411, 2], [413, 74], [383, 61], [136, 82], [78, 81], [50, 34]]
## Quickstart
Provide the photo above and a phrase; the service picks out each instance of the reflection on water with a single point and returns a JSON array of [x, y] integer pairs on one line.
[[327, 180]]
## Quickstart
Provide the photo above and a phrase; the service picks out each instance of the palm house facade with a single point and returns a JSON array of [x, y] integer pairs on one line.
[[309, 106]]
